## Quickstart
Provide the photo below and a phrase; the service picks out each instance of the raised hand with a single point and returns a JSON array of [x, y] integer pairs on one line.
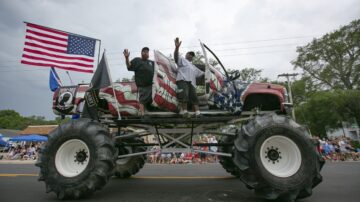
[[126, 53], [177, 42]]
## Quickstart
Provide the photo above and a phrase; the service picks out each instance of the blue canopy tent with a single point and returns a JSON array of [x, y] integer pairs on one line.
[[2, 143], [29, 138]]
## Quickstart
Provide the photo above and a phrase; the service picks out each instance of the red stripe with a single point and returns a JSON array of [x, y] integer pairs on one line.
[[218, 76], [113, 111], [56, 56], [52, 65], [167, 70], [46, 29], [121, 97], [160, 101], [57, 61], [47, 42], [213, 86], [78, 100], [46, 35], [46, 48], [166, 87]]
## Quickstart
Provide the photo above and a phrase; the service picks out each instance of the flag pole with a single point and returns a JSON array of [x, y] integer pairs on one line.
[[116, 100], [113, 89], [71, 81], [99, 51]]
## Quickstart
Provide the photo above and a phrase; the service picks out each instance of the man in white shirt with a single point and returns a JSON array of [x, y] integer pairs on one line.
[[186, 80]]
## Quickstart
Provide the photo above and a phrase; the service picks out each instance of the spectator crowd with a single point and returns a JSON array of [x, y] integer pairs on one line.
[[21, 151], [185, 158], [338, 149]]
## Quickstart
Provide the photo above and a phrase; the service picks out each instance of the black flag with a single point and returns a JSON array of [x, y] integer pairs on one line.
[[100, 79]]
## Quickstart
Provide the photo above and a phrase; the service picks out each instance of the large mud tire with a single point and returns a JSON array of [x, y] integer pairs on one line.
[[228, 162], [128, 166], [277, 158], [77, 160]]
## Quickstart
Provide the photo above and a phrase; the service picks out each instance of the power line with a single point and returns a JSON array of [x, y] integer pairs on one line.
[[228, 43], [256, 53]]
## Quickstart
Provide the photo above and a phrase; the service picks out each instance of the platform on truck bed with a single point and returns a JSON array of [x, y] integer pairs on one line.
[[157, 118]]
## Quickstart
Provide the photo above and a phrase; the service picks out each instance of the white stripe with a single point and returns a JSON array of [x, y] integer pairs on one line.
[[57, 53], [126, 90], [47, 39], [123, 107], [57, 64], [45, 32], [46, 45], [166, 96], [80, 94], [58, 59]]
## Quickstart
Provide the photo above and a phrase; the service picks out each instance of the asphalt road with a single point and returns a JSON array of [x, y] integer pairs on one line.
[[183, 183]]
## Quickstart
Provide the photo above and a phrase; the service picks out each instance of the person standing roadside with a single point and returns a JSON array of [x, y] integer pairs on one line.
[[144, 73], [186, 80]]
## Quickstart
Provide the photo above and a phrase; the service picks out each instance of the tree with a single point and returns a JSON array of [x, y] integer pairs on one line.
[[301, 90], [250, 74], [10, 119], [125, 80], [318, 113], [199, 59], [348, 104], [333, 61], [327, 109]]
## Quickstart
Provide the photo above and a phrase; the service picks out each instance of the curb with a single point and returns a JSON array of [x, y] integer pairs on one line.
[[17, 162]]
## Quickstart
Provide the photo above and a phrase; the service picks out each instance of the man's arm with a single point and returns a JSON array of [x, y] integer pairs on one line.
[[127, 54], [176, 52]]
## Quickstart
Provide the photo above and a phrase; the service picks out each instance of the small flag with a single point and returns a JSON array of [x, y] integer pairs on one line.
[[101, 77], [54, 80], [53, 48]]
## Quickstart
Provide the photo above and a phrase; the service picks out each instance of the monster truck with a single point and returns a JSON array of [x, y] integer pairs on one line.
[[259, 143]]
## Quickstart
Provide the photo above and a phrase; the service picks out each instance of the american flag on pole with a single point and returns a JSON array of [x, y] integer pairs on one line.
[[53, 48]]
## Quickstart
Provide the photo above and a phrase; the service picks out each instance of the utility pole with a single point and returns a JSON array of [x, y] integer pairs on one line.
[[290, 93]]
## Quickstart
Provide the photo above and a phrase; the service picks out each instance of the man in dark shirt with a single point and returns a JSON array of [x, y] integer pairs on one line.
[[144, 73]]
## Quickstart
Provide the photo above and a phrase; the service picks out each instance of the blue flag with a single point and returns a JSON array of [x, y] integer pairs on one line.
[[54, 80]]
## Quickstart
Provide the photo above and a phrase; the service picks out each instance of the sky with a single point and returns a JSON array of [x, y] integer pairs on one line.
[[261, 34]]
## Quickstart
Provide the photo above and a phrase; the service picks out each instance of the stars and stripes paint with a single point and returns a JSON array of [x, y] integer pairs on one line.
[[127, 98], [164, 83], [222, 94], [52, 48]]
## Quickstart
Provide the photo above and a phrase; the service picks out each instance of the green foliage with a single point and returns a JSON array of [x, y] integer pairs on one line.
[[200, 59], [328, 93], [250, 74], [355, 144], [125, 80], [10, 119], [333, 61], [326, 109], [301, 90]]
